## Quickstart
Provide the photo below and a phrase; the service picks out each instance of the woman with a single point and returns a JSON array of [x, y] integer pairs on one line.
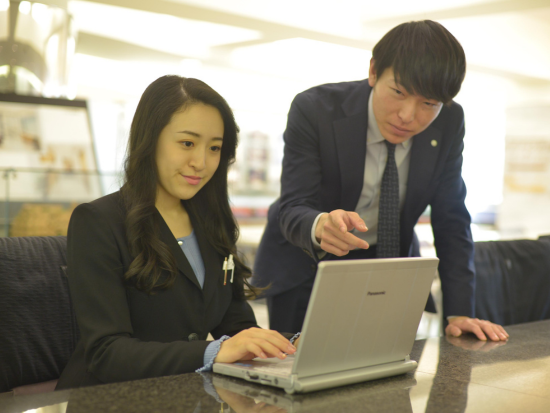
[[146, 263]]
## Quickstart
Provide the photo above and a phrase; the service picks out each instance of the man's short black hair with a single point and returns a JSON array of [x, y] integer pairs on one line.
[[426, 59]]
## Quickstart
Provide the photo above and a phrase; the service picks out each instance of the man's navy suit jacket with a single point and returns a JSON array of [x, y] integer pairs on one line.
[[323, 168]]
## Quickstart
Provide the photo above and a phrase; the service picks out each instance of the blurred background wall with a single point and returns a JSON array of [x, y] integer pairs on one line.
[[259, 54]]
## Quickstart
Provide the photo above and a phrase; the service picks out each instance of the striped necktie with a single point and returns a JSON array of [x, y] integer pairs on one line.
[[388, 213]]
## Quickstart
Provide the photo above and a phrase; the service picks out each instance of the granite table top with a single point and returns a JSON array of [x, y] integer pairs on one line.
[[453, 375]]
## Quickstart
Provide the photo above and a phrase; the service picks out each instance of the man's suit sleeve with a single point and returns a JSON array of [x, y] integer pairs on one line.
[[302, 173], [100, 301], [452, 233]]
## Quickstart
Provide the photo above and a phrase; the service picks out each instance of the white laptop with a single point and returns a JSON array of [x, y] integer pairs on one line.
[[360, 325]]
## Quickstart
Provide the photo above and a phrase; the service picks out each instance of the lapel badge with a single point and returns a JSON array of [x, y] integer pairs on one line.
[[434, 143], [228, 265]]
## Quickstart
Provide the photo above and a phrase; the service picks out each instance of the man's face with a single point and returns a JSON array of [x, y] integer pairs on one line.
[[399, 114]]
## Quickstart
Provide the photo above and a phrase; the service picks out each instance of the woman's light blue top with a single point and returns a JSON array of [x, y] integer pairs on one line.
[[190, 248]]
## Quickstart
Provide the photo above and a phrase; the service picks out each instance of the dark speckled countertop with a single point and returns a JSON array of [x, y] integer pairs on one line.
[[453, 375]]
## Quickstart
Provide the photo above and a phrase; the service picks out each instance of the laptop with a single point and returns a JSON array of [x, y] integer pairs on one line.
[[360, 325]]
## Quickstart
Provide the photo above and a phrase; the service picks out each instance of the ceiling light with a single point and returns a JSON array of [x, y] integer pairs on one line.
[[40, 13], [4, 5], [25, 7]]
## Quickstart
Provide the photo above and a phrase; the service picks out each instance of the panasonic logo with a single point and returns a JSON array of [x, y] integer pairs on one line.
[[376, 293]]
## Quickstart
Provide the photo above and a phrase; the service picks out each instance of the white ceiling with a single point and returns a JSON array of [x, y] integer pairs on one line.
[[510, 38], [342, 18]]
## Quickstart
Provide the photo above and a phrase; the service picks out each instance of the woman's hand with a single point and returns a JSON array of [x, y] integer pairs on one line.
[[252, 343]]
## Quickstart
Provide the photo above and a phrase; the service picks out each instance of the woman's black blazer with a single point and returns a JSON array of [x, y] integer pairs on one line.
[[127, 334]]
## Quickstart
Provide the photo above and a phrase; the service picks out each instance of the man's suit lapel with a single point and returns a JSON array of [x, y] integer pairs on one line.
[[424, 154], [350, 135]]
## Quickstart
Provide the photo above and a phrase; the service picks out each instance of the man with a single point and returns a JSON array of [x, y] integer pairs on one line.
[[362, 161]]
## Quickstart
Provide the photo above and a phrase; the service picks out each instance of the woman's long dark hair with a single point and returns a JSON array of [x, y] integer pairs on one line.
[[210, 206]]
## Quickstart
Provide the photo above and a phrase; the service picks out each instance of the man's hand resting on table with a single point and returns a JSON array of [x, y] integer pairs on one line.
[[481, 328], [332, 232]]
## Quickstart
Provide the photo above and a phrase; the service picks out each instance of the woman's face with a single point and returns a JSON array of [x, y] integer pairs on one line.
[[188, 152]]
